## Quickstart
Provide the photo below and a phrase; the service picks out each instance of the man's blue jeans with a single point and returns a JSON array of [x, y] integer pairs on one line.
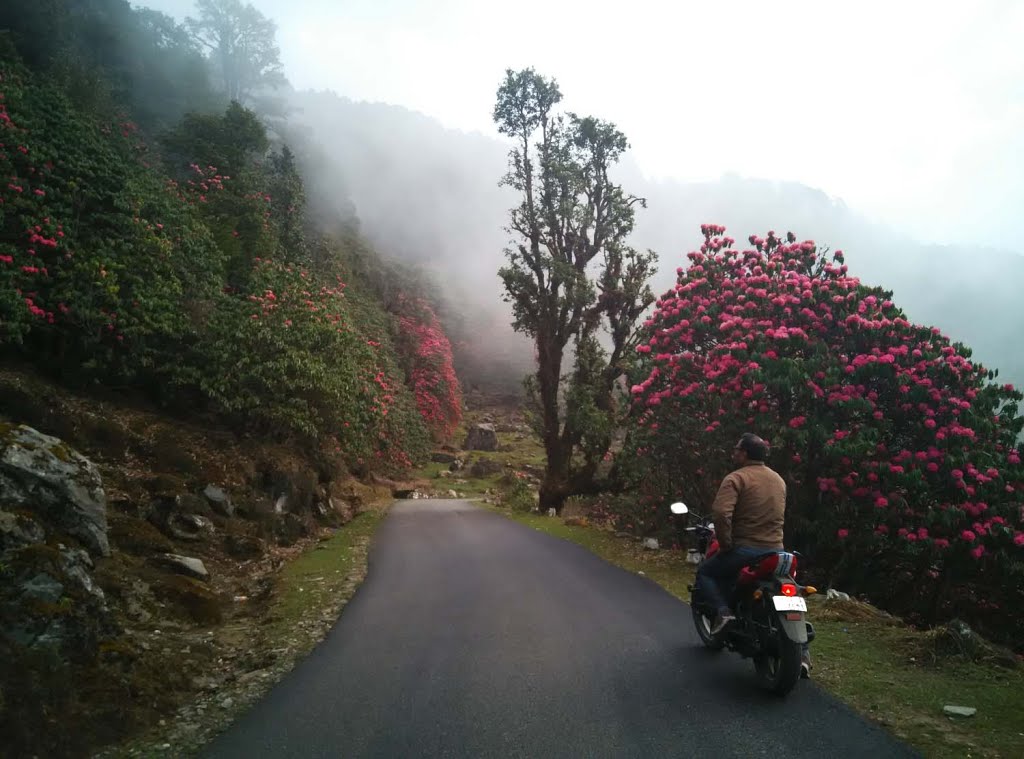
[[716, 576]]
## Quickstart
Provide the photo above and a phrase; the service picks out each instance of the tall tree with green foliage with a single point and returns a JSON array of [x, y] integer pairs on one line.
[[241, 45], [570, 273]]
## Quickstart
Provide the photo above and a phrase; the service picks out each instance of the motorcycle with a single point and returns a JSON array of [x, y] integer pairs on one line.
[[770, 607]]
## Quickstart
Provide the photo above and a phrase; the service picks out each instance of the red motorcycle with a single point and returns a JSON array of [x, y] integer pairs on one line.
[[770, 607]]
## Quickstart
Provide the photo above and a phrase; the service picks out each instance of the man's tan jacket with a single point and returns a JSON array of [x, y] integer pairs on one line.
[[750, 508]]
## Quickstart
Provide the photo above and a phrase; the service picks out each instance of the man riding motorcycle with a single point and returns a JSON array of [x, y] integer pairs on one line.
[[749, 513]]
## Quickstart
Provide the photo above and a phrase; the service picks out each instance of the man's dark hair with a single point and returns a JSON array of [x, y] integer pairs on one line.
[[756, 449]]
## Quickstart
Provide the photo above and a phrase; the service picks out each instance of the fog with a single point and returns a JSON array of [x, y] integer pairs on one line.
[[894, 133]]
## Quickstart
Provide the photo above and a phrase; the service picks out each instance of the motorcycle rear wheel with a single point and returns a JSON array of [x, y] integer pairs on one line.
[[779, 672], [703, 625]]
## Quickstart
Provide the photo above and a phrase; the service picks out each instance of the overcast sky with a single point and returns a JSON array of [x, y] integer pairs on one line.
[[912, 112]]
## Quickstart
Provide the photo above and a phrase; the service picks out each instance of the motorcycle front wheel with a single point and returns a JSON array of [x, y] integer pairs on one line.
[[779, 671], [703, 624]]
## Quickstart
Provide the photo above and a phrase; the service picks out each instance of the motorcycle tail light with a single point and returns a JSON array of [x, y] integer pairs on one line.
[[788, 589]]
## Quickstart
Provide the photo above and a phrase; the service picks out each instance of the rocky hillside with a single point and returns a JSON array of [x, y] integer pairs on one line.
[[139, 554]]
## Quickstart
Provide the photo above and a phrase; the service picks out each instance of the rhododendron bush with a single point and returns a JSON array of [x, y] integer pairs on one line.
[[98, 262], [297, 355], [430, 369], [901, 454]]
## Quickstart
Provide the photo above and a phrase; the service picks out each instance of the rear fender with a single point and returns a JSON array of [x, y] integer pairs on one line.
[[794, 629]]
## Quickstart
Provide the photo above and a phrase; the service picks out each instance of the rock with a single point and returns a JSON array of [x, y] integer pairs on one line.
[[484, 468], [552, 513], [481, 437], [42, 587], [575, 522], [441, 457], [41, 474], [693, 556], [622, 534], [444, 475], [189, 526], [651, 544], [184, 565], [219, 501], [17, 530], [289, 528], [959, 711], [456, 466], [77, 565], [836, 595], [452, 494]]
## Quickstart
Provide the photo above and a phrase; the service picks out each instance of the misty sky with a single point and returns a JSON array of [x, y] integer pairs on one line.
[[912, 112]]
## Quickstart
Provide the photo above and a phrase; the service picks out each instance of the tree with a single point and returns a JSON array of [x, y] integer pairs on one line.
[[900, 452], [570, 273], [241, 46]]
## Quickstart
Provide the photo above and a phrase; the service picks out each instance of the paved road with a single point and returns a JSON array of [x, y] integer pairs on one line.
[[474, 636]]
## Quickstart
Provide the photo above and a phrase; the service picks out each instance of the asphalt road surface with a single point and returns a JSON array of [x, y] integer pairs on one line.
[[474, 636]]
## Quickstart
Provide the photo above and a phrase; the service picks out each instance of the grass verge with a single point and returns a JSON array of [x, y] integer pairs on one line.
[[883, 670], [323, 579]]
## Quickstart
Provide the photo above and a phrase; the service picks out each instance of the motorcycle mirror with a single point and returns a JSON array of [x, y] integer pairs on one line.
[[679, 508]]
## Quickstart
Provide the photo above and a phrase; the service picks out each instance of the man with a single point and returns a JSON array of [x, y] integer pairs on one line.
[[749, 512]]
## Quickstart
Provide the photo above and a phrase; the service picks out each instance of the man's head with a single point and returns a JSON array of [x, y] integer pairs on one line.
[[750, 448]]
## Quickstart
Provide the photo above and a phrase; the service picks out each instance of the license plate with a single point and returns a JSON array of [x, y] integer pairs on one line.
[[789, 603]]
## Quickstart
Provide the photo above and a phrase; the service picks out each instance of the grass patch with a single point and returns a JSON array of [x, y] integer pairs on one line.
[[325, 576], [881, 670]]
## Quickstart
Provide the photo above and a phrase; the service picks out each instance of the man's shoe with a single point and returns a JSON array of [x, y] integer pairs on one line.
[[805, 667], [721, 622]]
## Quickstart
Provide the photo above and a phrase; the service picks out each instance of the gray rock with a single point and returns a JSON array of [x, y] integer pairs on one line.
[[42, 587], [442, 457], [78, 566], [219, 501], [189, 526], [184, 565], [959, 711], [456, 466], [17, 530], [40, 473], [481, 437], [836, 595], [651, 544]]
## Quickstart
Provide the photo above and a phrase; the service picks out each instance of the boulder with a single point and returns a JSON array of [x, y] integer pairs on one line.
[[183, 565], [289, 529], [651, 544], [244, 546], [41, 474], [442, 457], [959, 711], [17, 530], [189, 527], [481, 437], [49, 601], [456, 466], [484, 468], [219, 501]]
